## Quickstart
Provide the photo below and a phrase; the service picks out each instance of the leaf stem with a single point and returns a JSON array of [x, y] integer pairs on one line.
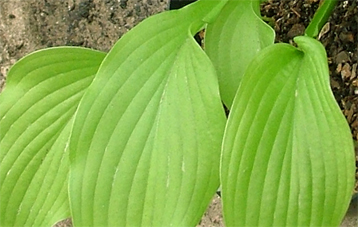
[[320, 18]]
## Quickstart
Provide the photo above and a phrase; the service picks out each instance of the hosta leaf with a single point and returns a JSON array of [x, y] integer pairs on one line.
[[232, 41], [40, 97], [288, 156], [145, 146]]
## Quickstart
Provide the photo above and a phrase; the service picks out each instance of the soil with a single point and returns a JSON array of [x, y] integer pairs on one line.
[[26, 26]]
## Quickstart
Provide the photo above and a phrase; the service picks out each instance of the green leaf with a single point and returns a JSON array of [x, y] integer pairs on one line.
[[145, 146], [288, 157], [40, 97], [232, 41], [320, 18]]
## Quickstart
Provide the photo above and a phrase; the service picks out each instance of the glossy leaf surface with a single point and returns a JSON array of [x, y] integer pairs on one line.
[[288, 157], [40, 97], [232, 41], [145, 147]]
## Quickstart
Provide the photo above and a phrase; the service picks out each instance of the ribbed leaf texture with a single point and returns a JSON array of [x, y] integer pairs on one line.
[[145, 147], [36, 108], [288, 157]]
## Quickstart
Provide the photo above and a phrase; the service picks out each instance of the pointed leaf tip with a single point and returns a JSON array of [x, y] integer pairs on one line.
[[145, 146], [233, 40], [288, 157]]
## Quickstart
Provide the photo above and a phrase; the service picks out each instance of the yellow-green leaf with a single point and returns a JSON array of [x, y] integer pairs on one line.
[[145, 146], [233, 40], [36, 106], [288, 157]]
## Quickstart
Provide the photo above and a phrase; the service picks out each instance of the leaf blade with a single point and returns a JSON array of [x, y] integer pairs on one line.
[[232, 41], [145, 154], [276, 171], [41, 95]]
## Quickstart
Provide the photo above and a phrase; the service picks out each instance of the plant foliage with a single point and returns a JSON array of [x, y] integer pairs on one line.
[[37, 105], [284, 137], [138, 136], [233, 40], [147, 134]]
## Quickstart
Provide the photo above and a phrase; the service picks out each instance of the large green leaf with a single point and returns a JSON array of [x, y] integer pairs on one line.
[[232, 41], [145, 146], [40, 97], [288, 157]]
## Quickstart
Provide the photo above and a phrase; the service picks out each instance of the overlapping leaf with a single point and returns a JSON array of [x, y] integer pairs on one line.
[[288, 156], [145, 145], [232, 41], [41, 96]]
